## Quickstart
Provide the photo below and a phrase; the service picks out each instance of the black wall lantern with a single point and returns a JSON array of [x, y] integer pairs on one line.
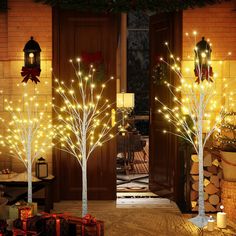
[[203, 69], [31, 70], [41, 168]]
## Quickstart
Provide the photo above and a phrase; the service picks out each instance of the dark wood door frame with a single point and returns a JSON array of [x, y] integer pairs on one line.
[[57, 156], [169, 180]]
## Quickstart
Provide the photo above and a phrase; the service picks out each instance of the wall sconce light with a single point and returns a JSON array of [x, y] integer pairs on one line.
[[41, 168], [202, 61], [31, 70], [125, 104]]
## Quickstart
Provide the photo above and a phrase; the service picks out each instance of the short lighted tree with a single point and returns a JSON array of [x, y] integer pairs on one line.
[[27, 136], [193, 115], [84, 119]]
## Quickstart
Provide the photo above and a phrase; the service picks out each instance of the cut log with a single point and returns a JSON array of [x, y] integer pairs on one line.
[[207, 159], [220, 175], [195, 177], [206, 196], [206, 182], [209, 207], [218, 206], [194, 168], [214, 179], [193, 195], [195, 186], [215, 163], [193, 203], [214, 199], [212, 169], [194, 158], [211, 189], [207, 173]]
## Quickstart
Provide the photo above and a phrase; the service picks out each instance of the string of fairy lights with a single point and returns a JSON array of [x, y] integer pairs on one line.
[[186, 98], [28, 129], [85, 117]]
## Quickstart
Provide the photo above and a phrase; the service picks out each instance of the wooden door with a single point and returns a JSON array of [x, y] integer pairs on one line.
[[164, 160], [76, 33]]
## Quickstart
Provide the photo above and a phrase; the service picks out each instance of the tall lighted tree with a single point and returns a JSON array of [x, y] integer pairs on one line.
[[191, 116], [27, 135], [84, 119]]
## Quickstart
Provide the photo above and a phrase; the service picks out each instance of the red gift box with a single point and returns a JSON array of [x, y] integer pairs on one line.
[[56, 224], [24, 212], [87, 226]]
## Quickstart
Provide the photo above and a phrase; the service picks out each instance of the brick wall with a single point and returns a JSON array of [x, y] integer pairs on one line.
[[229, 198], [23, 19], [218, 23]]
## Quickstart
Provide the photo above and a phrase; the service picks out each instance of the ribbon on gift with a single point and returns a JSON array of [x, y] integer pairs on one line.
[[57, 217], [89, 220], [17, 232], [30, 73]]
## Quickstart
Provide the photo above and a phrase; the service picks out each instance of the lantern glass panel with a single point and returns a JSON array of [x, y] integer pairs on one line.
[[41, 168], [32, 54]]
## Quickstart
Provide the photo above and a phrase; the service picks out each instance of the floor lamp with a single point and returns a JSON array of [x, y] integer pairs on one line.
[[125, 105]]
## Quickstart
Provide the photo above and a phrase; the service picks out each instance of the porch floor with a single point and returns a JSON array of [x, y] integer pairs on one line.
[[141, 217]]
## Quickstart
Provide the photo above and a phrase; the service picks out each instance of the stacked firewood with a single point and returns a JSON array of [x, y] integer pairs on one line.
[[212, 178]]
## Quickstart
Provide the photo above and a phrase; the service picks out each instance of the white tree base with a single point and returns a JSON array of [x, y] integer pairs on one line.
[[199, 221]]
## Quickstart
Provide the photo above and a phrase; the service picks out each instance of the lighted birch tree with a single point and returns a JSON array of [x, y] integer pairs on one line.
[[193, 98], [85, 119], [27, 135]]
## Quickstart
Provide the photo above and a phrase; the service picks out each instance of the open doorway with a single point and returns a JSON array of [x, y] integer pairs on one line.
[[133, 147], [147, 35]]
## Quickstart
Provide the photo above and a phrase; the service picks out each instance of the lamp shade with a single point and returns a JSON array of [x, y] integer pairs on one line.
[[125, 100]]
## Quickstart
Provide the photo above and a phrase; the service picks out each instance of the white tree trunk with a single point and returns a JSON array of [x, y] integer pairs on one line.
[[201, 206], [201, 220], [84, 169], [29, 173], [84, 186]]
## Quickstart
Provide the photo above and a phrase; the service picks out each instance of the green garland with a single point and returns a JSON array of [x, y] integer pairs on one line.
[[128, 5]]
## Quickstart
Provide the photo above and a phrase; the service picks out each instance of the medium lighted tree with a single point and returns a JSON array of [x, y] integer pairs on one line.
[[84, 119], [192, 114], [27, 136]]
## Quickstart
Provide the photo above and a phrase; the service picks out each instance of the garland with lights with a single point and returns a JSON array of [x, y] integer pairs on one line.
[[128, 5]]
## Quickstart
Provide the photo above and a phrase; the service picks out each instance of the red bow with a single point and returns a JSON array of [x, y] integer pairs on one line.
[[203, 73], [90, 58], [30, 73], [89, 220]]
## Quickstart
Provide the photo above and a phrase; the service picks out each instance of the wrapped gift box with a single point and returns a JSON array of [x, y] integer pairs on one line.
[[56, 225], [19, 209], [3, 227], [32, 225], [43, 225], [87, 226]]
